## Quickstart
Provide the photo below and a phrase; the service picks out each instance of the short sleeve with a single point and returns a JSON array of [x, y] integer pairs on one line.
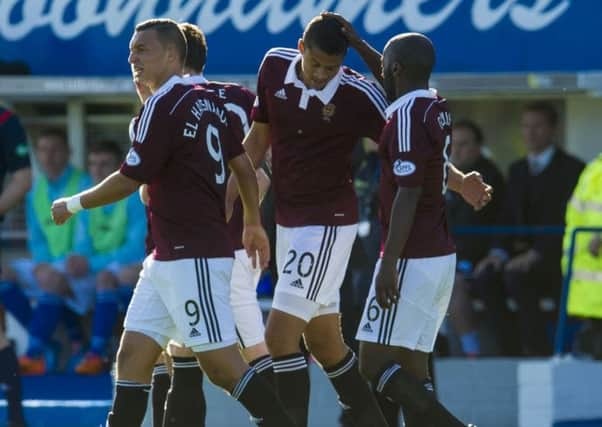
[[409, 150], [150, 149], [371, 115], [260, 107], [13, 140]]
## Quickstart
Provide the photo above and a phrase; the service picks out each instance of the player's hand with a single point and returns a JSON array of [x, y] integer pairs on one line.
[[594, 245], [77, 266], [256, 243], [492, 261], [523, 262], [476, 192], [346, 28], [387, 292], [59, 211]]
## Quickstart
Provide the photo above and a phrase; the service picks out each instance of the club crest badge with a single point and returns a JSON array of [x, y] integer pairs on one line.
[[328, 111]]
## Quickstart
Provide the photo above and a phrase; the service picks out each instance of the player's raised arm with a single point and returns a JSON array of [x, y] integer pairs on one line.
[[115, 187], [254, 237], [369, 55]]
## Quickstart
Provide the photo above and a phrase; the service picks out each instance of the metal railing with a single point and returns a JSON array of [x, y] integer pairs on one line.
[[566, 281]]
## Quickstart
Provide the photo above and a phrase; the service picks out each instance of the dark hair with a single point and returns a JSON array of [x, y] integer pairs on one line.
[[325, 33], [56, 133], [474, 128], [197, 47], [544, 108], [106, 146], [168, 32]]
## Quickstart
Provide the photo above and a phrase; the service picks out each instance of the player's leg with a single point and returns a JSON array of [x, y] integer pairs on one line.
[[148, 326], [325, 342], [283, 335], [9, 377], [204, 321], [159, 387], [185, 399], [396, 342], [248, 317], [135, 359]]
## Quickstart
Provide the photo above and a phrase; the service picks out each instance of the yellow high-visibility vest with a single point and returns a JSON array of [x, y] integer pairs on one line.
[[585, 210]]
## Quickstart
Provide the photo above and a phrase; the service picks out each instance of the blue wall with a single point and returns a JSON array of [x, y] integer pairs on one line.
[[90, 37]]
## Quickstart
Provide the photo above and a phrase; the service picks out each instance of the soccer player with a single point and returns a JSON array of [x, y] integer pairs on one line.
[[312, 111], [185, 399], [14, 160], [414, 277], [182, 146]]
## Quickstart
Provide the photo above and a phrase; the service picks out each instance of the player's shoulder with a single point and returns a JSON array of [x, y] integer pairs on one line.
[[231, 89], [361, 86], [168, 95], [284, 53], [423, 105]]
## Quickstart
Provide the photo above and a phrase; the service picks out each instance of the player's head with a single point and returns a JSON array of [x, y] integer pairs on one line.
[[323, 48], [467, 143], [539, 124], [157, 51], [104, 158], [197, 49], [52, 152], [408, 60]]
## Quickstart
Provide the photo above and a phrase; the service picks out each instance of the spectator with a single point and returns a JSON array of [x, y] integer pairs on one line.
[[116, 234], [585, 292], [14, 159], [55, 275], [526, 268], [467, 155]]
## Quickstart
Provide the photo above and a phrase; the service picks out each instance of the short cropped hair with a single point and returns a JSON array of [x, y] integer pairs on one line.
[[56, 133], [168, 32], [106, 146], [544, 108], [474, 128], [325, 33], [197, 47]]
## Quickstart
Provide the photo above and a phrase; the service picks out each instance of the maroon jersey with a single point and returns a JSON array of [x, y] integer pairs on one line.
[[414, 149], [182, 145], [238, 100], [312, 133]]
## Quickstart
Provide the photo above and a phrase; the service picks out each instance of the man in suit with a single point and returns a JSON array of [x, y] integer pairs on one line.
[[467, 155], [539, 187]]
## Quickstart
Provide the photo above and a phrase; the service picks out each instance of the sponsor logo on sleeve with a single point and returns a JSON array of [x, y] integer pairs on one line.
[[132, 158], [403, 168]]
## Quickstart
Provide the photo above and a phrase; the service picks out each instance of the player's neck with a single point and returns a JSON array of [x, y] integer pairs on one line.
[[404, 87], [155, 86]]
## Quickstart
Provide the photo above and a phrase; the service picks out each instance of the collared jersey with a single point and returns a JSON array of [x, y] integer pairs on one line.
[[415, 147], [181, 147], [312, 134]]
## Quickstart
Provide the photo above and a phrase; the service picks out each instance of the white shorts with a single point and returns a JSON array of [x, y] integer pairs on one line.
[[243, 298], [312, 262], [413, 322], [187, 300], [82, 288]]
